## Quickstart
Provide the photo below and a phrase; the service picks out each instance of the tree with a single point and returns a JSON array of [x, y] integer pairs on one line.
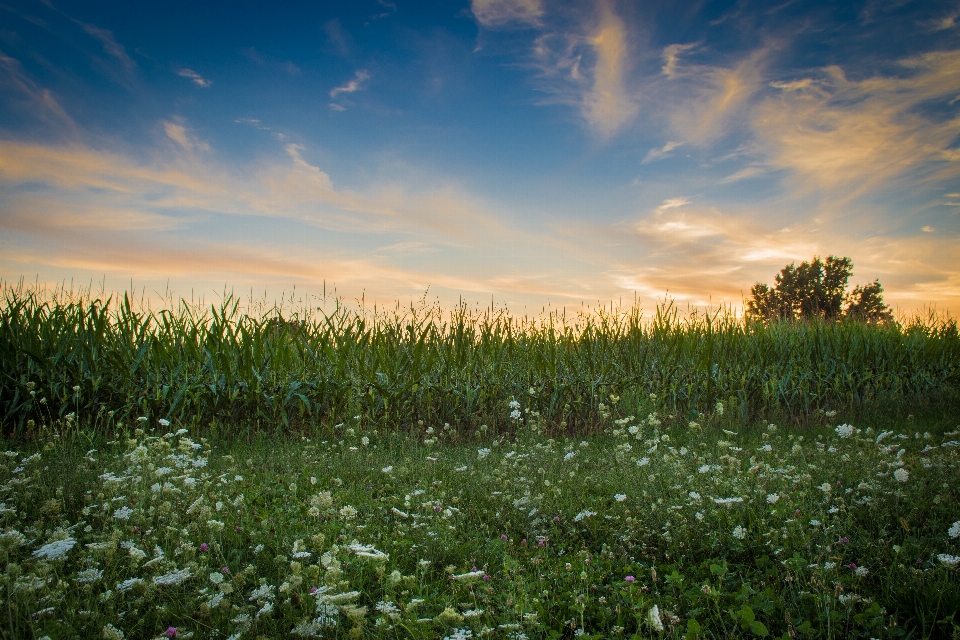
[[817, 289]]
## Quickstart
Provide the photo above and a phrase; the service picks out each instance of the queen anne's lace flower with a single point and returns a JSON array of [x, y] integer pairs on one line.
[[55, 550]]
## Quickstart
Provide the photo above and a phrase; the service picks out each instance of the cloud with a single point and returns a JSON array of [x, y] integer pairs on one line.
[[194, 77], [353, 85], [743, 174], [337, 36], [672, 203], [671, 56], [706, 101], [42, 102], [608, 105], [664, 151], [494, 14], [178, 133], [852, 136], [110, 45], [927, 229]]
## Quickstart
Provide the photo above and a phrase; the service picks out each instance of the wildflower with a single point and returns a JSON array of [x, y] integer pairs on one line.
[[954, 530], [947, 559], [164, 422], [89, 575], [459, 634], [694, 495], [569, 456], [128, 584], [844, 430], [11, 539], [483, 453], [586, 513], [171, 632], [110, 632], [642, 462], [55, 550], [653, 616], [123, 513], [174, 578], [620, 497], [348, 513], [772, 498], [861, 572], [739, 532], [387, 469], [514, 405], [364, 440], [469, 575], [705, 468], [901, 474], [630, 579], [825, 487], [719, 411], [204, 547]]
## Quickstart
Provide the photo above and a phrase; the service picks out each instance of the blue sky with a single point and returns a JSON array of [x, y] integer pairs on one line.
[[522, 151]]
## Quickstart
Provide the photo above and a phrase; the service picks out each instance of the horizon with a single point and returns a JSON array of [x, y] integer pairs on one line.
[[536, 155]]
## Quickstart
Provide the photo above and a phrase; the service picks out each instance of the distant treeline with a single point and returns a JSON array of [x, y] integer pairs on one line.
[[98, 363]]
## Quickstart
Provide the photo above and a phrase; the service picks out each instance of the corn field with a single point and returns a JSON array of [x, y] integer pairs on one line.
[[104, 361]]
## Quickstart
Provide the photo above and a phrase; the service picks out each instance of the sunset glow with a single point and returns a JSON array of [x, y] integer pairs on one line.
[[521, 151]]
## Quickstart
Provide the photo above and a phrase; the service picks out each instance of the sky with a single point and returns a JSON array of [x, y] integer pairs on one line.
[[523, 153]]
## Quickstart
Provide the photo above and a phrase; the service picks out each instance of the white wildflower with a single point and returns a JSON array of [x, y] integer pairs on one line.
[[947, 559], [173, 578], [128, 584], [739, 532], [844, 430], [772, 498], [123, 513], [954, 530], [620, 497], [901, 474], [88, 576], [653, 616], [110, 632], [55, 550]]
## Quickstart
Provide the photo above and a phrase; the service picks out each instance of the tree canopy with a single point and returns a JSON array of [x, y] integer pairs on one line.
[[818, 289]]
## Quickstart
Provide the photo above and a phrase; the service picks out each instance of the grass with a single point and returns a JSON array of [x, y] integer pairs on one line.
[[112, 361], [218, 474], [647, 529]]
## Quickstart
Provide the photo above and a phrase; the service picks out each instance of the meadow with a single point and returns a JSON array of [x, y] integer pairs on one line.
[[217, 474]]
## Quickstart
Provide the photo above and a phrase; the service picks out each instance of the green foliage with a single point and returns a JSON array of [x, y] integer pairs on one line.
[[817, 290], [106, 362], [371, 534]]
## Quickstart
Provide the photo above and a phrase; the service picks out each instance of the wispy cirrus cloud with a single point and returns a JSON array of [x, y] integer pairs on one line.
[[609, 105], [352, 86], [707, 101], [589, 70], [41, 101], [194, 77], [494, 14], [110, 45], [746, 173], [671, 57], [834, 133], [662, 152]]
